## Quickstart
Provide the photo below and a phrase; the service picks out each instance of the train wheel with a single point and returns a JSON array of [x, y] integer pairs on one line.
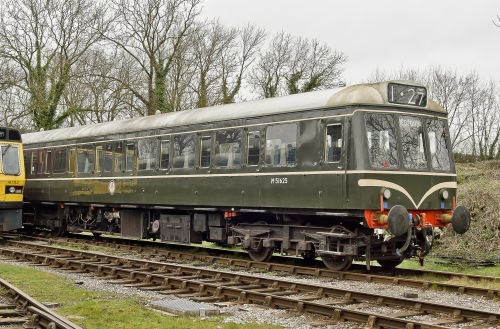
[[389, 263], [309, 255], [262, 255], [337, 263], [58, 232]]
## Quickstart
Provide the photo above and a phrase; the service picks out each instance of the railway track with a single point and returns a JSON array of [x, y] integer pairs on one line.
[[224, 288], [18, 310], [393, 278], [236, 254]]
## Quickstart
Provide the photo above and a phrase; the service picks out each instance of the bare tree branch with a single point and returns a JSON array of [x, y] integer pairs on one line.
[[45, 39], [152, 33]]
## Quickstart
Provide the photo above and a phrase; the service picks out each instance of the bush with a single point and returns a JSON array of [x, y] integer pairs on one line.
[[478, 190]]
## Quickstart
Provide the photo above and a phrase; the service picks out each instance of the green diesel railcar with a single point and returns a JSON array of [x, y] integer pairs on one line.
[[363, 172]]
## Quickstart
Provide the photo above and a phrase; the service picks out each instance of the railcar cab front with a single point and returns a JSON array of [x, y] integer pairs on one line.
[[11, 179], [404, 174]]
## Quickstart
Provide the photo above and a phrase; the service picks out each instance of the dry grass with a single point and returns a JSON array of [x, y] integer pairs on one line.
[[479, 190]]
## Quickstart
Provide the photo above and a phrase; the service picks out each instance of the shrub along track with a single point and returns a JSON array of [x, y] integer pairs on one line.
[[216, 257], [208, 285], [19, 309]]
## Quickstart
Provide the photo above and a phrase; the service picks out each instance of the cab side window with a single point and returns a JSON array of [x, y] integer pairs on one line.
[[333, 152]]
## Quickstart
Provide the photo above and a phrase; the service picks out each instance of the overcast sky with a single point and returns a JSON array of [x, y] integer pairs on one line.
[[384, 34]]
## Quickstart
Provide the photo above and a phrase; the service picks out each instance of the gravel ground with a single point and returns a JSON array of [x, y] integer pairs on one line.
[[251, 313]]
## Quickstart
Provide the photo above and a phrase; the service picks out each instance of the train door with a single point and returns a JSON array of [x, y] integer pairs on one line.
[[251, 183], [334, 163]]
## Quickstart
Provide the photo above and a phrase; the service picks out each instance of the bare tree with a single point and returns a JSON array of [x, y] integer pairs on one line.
[[222, 57], [208, 44], [449, 89], [152, 33], [45, 39], [94, 97], [267, 75], [179, 80], [12, 110], [237, 59], [484, 106], [314, 66], [292, 65], [490, 129]]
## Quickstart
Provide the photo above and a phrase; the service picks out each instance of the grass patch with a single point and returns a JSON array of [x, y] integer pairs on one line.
[[96, 310]]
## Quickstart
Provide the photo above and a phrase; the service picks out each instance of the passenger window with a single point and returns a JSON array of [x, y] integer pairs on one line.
[[333, 143], [119, 165], [205, 150], [183, 156], [228, 148], [129, 160], [60, 161], [85, 159], [108, 158], [253, 148], [281, 144], [165, 154], [147, 153], [99, 158]]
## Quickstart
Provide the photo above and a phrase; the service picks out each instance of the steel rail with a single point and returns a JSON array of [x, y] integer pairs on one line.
[[30, 312], [302, 270], [126, 243], [186, 279]]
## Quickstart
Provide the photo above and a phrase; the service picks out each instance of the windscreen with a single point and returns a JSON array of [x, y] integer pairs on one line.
[[382, 141], [10, 160]]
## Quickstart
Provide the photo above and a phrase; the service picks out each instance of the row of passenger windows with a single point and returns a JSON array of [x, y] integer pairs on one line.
[[222, 149]]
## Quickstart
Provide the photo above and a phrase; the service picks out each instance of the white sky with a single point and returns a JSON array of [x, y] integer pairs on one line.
[[384, 34]]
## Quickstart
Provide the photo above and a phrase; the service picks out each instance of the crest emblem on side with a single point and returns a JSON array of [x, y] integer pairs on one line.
[[112, 187]]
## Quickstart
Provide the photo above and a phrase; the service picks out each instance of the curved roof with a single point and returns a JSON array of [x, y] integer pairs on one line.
[[375, 93]]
